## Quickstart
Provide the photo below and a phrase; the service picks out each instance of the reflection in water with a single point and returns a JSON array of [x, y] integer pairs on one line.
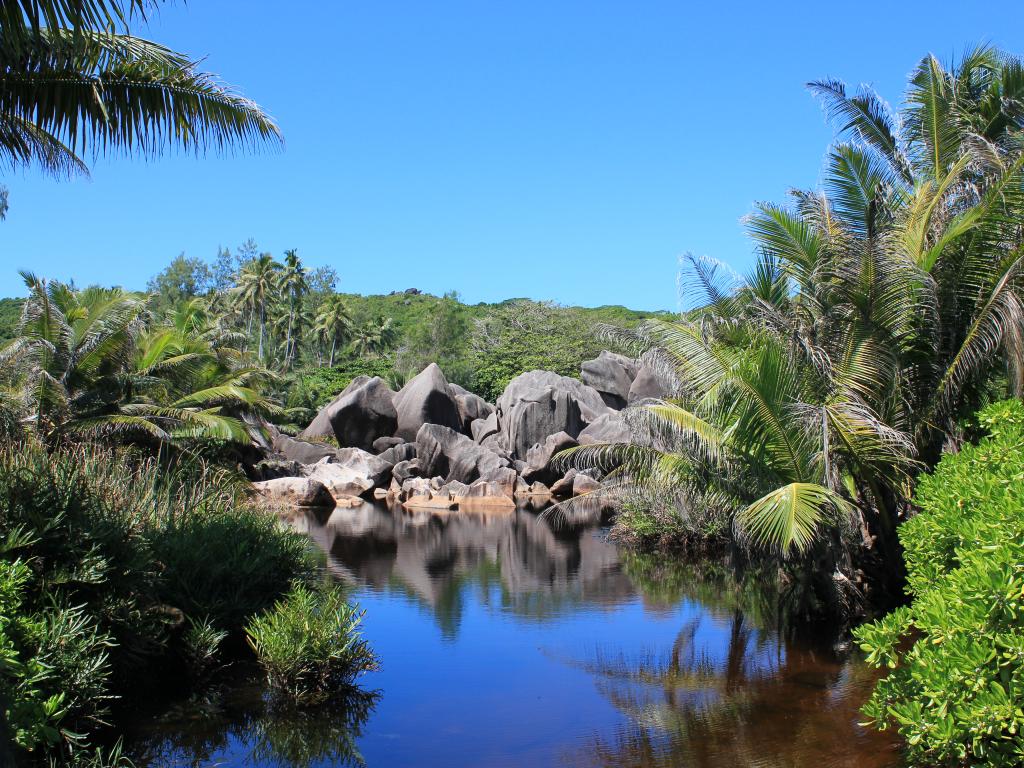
[[508, 642], [542, 572], [243, 724]]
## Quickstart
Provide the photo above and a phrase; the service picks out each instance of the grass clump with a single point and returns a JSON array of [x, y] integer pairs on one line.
[[309, 644], [118, 575], [955, 691]]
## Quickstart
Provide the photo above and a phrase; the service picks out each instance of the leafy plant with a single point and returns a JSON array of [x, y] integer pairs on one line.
[[309, 644], [955, 689]]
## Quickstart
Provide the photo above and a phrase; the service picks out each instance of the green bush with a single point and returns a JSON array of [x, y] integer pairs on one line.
[[113, 570], [309, 644], [955, 691]]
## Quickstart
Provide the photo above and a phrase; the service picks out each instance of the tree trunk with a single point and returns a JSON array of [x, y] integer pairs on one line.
[[334, 344]]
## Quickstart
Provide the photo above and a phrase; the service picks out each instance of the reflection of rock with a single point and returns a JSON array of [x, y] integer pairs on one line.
[[430, 555]]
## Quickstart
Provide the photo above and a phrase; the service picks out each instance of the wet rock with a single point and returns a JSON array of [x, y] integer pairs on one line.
[[426, 399], [445, 452], [295, 491], [363, 412], [612, 376]]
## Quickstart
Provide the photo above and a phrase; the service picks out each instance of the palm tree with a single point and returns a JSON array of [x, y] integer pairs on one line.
[[257, 284], [880, 310], [333, 323], [73, 80], [373, 337], [295, 287], [88, 363]]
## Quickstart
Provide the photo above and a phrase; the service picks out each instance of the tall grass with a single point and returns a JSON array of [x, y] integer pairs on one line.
[[116, 571]]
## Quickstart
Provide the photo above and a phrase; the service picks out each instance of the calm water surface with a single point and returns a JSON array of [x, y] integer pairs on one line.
[[506, 642]]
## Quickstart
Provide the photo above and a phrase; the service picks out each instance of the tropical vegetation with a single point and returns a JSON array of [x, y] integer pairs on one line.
[[955, 661], [883, 310]]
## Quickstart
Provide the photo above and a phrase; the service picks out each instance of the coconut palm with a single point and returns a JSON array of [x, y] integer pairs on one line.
[[86, 363], [373, 337], [880, 310], [73, 80], [333, 324], [257, 287], [294, 287]]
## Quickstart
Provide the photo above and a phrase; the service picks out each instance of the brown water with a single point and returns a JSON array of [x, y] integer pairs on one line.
[[508, 642]]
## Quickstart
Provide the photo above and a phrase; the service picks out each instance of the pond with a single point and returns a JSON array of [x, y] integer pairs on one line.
[[508, 641]]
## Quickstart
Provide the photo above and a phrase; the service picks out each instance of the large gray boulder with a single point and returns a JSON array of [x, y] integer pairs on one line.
[[302, 451], [426, 399], [540, 403], [441, 451], [646, 386], [363, 412], [538, 458], [350, 472], [481, 429], [611, 375], [609, 428], [295, 491], [471, 407], [399, 453]]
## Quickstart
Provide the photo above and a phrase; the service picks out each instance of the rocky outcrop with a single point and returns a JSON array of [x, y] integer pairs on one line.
[[646, 386], [471, 407], [295, 491], [612, 376], [302, 451], [481, 429], [443, 452], [351, 472], [540, 403], [361, 414], [271, 469], [399, 453], [426, 399], [382, 444], [609, 428], [538, 458]]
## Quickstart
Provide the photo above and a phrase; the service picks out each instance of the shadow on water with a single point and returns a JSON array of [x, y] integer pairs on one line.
[[507, 641]]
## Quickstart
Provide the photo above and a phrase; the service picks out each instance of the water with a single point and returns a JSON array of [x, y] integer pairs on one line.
[[506, 642]]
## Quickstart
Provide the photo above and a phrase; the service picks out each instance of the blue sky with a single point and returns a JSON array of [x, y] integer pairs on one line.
[[557, 150]]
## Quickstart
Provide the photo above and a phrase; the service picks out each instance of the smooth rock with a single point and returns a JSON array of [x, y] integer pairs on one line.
[[609, 428], [426, 399], [382, 444], [399, 453], [611, 375], [271, 469], [403, 470], [302, 451], [481, 429], [471, 407], [538, 458], [584, 484], [296, 491], [445, 452], [363, 412], [563, 487], [646, 386], [340, 480], [540, 403]]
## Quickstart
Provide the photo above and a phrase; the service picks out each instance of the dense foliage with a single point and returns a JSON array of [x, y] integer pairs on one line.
[[882, 311], [955, 691], [116, 573]]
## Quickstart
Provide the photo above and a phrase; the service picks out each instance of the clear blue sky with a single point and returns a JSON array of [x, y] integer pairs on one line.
[[556, 150]]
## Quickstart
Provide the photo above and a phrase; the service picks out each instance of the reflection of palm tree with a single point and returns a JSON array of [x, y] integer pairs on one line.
[[762, 703]]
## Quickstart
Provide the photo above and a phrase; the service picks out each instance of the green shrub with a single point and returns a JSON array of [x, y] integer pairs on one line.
[[955, 691], [113, 569], [309, 644]]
